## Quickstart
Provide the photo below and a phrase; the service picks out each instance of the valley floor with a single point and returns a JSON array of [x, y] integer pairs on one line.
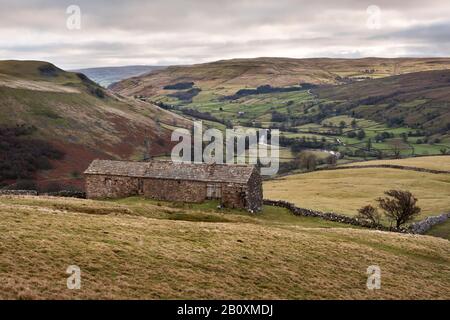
[[134, 248]]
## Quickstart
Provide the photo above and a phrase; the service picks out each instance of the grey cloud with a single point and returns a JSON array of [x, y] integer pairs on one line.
[[434, 33], [188, 31]]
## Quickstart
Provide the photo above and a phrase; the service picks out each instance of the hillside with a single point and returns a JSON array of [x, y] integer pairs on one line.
[[77, 117], [345, 191], [139, 249], [228, 76], [420, 100], [105, 76], [364, 108]]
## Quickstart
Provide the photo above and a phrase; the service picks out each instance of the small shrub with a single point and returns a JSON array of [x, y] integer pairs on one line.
[[369, 213], [75, 174], [351, 134]]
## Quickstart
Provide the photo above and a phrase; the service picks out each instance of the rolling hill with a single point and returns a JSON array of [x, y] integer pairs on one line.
[[75, 116], [105, 76], [137, 248], [141, 249], [228, 76], [364, 108], [420, 100]]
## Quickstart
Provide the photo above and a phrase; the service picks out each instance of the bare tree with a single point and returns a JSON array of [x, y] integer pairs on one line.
[[396, 149], [369, 213], [399, 206], [308, 161], [331, 160]]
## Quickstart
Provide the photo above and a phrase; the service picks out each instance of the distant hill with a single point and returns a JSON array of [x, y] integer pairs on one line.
[[107, 75], [363, 108], [228, 76], [76, 116], [419, 100]]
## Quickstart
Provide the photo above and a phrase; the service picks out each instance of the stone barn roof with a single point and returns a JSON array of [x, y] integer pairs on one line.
[[173, 170]]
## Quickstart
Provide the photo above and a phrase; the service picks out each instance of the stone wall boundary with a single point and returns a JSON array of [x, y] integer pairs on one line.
[[63, 193], [420, 227], [387, 166], [426, 224], [18, 193], [331, 216]]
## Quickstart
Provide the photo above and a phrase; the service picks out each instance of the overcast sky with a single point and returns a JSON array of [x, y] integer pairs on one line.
[[166, 32]]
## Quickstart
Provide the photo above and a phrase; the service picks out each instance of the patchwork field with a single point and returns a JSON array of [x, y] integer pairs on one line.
[[135, 248], [363, 108]]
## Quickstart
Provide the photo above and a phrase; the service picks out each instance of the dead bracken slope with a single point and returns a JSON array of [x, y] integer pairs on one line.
[[80, 118]]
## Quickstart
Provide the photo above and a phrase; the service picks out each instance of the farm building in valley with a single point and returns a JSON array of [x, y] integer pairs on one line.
[[235, 186]]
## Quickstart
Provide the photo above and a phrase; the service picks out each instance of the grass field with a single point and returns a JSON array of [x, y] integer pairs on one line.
[[441, 230], [345, 191], [257, 110], [434, 163], [132, 249]]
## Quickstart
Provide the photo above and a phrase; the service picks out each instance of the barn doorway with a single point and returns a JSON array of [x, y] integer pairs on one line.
[[213, 191], [140, 186]]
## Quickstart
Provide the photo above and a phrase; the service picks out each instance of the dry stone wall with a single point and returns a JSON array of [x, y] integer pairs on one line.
[[426, 224], [420, 227], [63, 193], [331, 216], [388, 166], [18, 192]]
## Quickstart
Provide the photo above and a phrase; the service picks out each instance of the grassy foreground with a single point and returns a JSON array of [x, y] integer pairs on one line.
[[144, 249]]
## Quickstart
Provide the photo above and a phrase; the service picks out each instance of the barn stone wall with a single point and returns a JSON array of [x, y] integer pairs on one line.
[[254, 192], [175, 190], [233, 195], [102, 186]]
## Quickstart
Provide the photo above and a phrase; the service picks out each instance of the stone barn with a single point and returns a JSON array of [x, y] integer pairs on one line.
[[235, 186]]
